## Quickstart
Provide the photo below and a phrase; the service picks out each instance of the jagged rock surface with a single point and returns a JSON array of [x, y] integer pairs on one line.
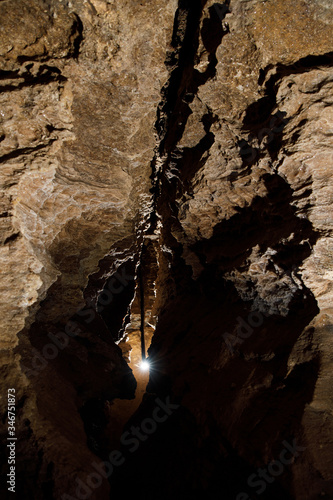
[[210, 128], [80, 84]]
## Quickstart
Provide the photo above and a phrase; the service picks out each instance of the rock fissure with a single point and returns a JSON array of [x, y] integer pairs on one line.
[[166, 178]]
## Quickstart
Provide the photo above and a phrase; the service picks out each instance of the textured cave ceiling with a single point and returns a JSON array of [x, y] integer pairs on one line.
[[167, 165]]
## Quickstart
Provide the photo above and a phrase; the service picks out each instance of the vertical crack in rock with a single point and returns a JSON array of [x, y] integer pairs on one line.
[[191, 138], [80, 86], [238, 269]]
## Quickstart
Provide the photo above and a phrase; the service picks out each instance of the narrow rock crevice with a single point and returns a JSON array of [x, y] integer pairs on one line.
[[165, 193]]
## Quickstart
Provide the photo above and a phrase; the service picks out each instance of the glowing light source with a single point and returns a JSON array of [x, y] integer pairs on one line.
[[144, 365]]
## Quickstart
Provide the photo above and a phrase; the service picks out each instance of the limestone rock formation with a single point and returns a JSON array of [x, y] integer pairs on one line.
[[189, 143]]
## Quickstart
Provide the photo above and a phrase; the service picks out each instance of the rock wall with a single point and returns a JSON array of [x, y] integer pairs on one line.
[[80, 86], [203, 130]]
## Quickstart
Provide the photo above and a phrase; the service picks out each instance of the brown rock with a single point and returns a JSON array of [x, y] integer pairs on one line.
[[204, 130]]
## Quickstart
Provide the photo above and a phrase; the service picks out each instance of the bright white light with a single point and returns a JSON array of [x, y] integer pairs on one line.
[[144, 365]]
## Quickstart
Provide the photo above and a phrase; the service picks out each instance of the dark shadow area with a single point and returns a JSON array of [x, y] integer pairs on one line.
[[46, 74], [264, 127], [174, 454], [74, 369], [114, 301], [208, 444], [184, 80], [234, 405], [265, 223], [301, 66]]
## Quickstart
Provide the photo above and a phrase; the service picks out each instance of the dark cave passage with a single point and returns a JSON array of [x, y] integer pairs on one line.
[[166, 193]]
